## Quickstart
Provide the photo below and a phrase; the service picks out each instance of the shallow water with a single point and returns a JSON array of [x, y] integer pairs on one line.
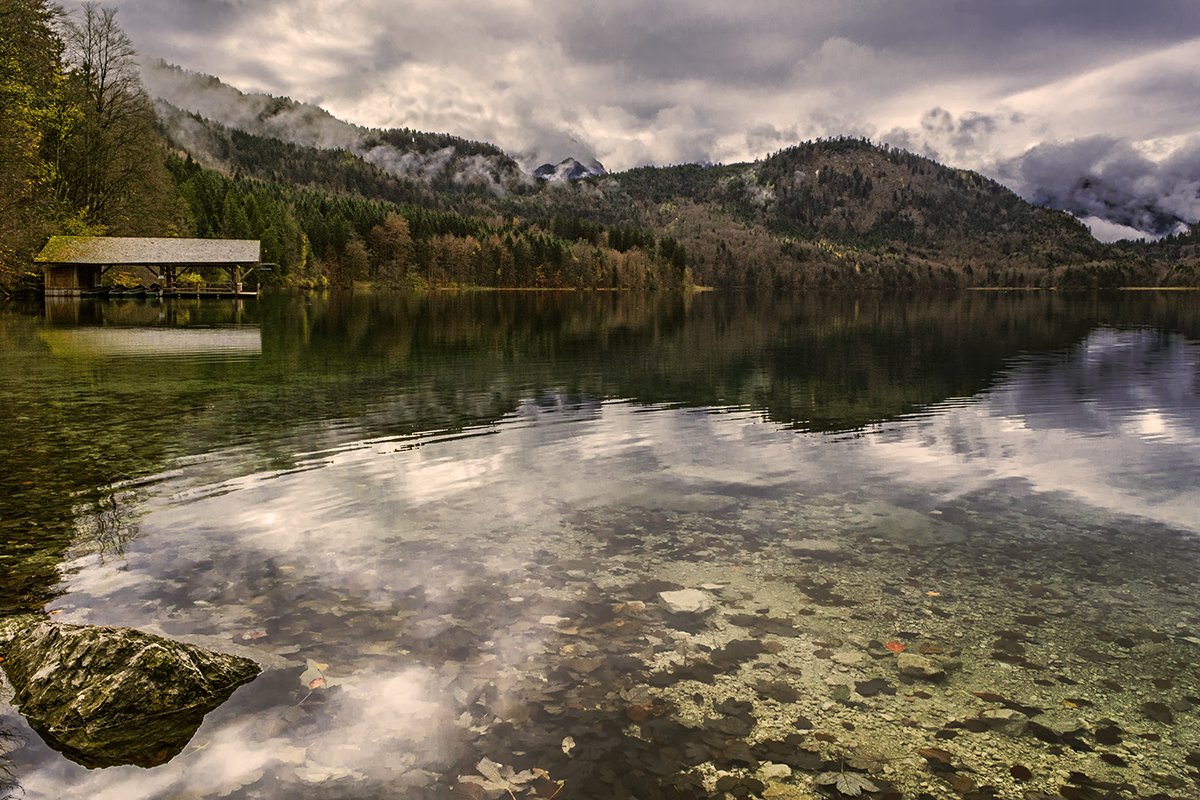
[[948, 546]]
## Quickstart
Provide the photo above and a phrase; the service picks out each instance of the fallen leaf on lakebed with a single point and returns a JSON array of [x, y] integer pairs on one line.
[[850, 784], [312, 671], [314, 677], [895, 647], [494, 777]]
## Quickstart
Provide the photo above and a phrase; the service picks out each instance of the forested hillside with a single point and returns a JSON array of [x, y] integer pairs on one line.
[[845, 212], [321, 238], [829, 213], [84, 149]]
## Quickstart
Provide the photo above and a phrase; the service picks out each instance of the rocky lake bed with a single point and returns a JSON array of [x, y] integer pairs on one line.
[[685, 647]]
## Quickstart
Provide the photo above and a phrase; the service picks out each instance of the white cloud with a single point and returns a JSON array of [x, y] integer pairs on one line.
[[1107, 231], [1135, 99]]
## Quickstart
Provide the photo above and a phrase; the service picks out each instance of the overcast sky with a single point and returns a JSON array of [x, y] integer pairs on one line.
[[1039, 94]]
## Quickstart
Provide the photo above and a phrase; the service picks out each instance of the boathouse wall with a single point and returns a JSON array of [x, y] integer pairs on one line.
[[69, 279]]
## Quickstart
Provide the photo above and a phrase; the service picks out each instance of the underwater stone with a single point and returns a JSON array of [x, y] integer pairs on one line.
[[783, 791], [107, 696], [770, 771], [915, 666], [1059, 724], [1005, 720], [687, 601]]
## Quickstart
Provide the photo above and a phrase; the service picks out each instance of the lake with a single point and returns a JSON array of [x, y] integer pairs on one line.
[[615, 545]]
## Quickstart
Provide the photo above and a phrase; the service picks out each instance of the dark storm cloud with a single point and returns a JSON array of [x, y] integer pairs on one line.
[[1021, 42], [633, 81], [669, 42], [996, 29], [761, 42], [151, 22]]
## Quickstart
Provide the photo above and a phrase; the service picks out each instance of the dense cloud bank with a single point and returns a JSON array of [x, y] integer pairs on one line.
[[1108, 179]]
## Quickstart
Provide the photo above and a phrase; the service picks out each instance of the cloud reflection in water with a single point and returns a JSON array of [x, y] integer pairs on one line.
[[425, 572]]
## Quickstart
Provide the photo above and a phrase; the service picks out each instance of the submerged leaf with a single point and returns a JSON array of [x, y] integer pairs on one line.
[[491, 770], [850, 784], [501, 778], [313, 672], [853, 784]]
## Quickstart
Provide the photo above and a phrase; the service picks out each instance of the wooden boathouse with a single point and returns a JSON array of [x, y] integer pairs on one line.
[[75, 265]]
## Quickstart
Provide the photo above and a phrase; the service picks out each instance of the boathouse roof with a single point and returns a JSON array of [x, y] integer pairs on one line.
[[148, 251]]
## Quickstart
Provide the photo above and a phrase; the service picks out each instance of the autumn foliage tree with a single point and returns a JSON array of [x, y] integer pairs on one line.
[[111, 159], [392, 247]]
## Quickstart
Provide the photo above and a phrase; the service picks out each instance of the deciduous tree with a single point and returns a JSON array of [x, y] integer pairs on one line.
[[112, 167]]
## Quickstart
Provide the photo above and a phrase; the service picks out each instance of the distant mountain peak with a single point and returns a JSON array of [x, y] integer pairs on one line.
[[569, 169]]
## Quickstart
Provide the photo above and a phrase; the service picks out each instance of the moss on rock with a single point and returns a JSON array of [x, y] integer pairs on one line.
[[106, 696]]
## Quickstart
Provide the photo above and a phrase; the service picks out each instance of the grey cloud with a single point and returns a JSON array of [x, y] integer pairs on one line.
[[904, 139], [937, 120], [673, 42], [766, 138], [1040, 39], [960, 141], [146, 19], [973, 123], [760, 44], [645, 109], [545, 142], [975, 130], [1104, 177]]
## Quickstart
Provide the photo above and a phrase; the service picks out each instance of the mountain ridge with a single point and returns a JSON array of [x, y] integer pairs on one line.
[[831, 212]]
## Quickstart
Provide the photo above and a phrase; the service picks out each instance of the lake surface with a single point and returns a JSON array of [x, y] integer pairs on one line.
[[625, 546]]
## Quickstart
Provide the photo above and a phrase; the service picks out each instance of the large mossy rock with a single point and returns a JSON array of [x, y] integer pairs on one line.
[[108, 696]]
